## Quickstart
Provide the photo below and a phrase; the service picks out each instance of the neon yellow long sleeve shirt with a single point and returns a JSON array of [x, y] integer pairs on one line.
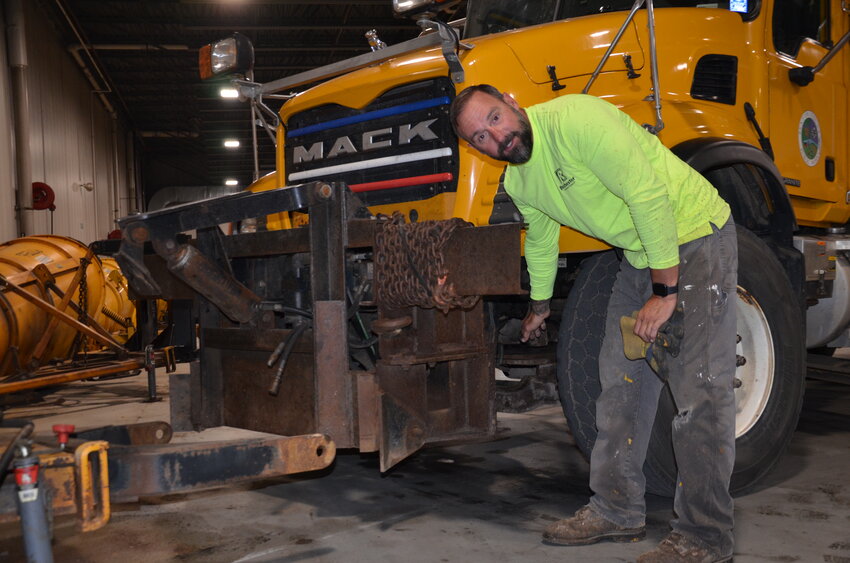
[[593, 168]]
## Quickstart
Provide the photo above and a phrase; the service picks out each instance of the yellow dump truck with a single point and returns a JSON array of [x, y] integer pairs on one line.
[[751, 93]]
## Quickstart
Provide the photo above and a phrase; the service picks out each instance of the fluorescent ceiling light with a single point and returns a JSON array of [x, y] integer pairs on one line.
[[231, 182], [231, 143], [229, 93]]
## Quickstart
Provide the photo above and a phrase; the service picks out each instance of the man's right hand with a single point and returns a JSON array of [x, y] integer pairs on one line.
[[534, 323]]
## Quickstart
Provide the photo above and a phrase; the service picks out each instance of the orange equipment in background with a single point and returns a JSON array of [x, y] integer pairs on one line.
[[57, 299]]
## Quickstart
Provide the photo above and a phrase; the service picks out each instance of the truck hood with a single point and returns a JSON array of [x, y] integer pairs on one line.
[[574, 47]]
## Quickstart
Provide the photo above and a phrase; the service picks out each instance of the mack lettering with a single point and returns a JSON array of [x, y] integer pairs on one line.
[[369, 140]]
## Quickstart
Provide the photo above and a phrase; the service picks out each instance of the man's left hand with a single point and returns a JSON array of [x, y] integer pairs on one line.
[[654, 313]]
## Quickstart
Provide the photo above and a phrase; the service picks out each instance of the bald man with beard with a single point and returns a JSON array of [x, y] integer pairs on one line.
[[579, 161]]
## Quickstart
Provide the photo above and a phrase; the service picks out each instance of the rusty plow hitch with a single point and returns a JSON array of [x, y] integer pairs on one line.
[[86, 475]]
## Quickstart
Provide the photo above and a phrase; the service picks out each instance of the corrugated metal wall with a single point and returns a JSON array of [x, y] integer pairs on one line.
[[77, 147], [7, 159]]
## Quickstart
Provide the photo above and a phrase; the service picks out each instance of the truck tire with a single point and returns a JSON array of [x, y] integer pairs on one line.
[[579, 343], [770, 395]]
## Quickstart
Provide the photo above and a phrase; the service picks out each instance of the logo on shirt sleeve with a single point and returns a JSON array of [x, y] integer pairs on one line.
[[564, 183]]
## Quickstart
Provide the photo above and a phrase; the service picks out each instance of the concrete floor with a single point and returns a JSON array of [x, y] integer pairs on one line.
[[473, 503]]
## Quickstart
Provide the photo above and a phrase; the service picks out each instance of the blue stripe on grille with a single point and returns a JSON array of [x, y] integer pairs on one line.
[[404, 108]]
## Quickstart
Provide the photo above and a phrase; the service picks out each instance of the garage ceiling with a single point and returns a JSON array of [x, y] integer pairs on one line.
[[146, 52]]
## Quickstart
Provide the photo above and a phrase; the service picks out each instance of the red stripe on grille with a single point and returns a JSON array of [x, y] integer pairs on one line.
[[401, 182]]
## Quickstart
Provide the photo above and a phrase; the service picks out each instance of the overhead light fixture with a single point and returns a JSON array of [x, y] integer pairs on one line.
[[231, 182], [229, 93], [231, 143]]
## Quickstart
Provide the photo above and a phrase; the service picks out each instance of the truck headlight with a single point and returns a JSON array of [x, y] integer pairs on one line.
[[234, 55]]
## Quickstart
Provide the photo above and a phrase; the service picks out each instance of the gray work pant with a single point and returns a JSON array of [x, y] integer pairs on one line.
[[700, 380]]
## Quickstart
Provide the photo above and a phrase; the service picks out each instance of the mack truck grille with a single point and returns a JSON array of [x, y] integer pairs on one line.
[[399, 148]]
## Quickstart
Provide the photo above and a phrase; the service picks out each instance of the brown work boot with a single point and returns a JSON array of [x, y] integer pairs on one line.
[[588, 527], [676, 548]]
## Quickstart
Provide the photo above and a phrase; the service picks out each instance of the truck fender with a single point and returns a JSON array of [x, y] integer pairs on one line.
[[711, 153], [747, 178]]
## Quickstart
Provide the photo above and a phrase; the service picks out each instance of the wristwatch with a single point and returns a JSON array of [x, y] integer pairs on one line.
[[662, 290]]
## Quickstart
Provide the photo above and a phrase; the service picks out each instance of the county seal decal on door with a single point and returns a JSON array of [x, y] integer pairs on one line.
[[809, 138]]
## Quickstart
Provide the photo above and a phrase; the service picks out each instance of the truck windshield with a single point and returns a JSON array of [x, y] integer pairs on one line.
[[492, 16]]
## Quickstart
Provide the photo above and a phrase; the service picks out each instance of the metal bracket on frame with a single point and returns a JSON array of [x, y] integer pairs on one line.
[[261, 115], [450, 43]]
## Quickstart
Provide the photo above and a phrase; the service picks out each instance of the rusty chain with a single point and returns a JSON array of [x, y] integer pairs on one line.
[[82, 300], [409, 264]]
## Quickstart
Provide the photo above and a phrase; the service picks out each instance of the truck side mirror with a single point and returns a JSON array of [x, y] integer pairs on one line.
[[801, 76], [804, 75]]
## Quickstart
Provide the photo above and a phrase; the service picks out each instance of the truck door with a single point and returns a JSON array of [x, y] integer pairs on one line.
[[808, 123]]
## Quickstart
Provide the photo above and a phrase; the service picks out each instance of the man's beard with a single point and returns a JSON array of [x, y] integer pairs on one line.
[[521, 153]]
